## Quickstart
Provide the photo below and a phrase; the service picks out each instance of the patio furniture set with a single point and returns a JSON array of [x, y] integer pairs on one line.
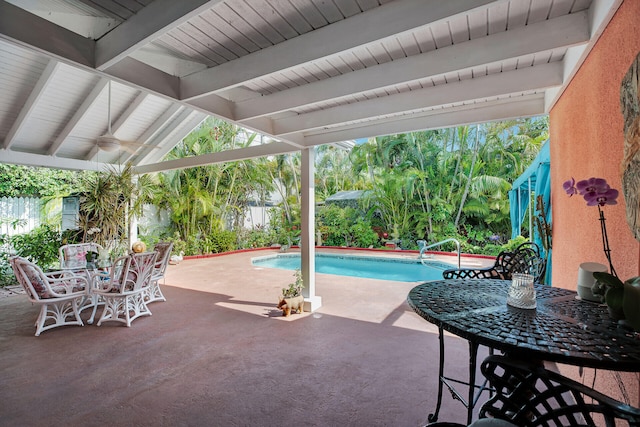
[[124, 287], [472, 304]]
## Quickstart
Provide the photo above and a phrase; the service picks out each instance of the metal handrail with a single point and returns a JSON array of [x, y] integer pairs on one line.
[[422, 250]]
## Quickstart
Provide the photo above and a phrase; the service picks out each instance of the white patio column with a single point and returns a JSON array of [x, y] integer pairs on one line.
[[312, 302], [133, 231], [133, 223]]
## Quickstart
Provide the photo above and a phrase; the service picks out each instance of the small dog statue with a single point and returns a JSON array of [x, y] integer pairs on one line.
[[288, 304]]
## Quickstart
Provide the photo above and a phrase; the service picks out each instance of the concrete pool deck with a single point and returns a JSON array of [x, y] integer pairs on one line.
[[218, 352]]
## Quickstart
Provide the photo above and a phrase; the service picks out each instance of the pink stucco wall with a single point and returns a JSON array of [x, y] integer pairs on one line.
[[587, 140]]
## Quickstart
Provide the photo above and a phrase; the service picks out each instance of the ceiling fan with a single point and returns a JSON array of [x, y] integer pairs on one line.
[[110, 143]]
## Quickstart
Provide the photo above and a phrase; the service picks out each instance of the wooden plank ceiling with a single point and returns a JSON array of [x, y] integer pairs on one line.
[[300, 72]]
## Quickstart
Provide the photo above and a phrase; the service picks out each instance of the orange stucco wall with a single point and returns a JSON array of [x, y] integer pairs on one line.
[[587, 140], [586, 132]]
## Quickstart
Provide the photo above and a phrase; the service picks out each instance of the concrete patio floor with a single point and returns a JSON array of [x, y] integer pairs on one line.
[[218, 352]]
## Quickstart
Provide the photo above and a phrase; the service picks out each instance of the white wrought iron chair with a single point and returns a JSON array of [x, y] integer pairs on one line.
[[123, 291], [58, 293], [154, 293]]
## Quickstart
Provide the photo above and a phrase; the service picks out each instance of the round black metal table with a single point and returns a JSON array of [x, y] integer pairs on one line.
[[561, 329]]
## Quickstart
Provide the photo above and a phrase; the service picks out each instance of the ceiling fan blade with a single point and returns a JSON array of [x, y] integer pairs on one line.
[[137, 144], [128, 149]]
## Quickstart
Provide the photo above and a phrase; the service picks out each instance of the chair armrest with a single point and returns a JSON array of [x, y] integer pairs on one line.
[[63, 284]]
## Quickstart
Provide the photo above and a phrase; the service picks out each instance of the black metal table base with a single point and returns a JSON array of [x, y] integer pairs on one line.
[[474, 390]]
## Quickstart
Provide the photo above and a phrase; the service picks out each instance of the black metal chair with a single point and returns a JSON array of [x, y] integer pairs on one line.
[[524, 259], [528, 395]]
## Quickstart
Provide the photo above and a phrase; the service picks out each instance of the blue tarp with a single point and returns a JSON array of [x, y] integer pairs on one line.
[[536, 180]]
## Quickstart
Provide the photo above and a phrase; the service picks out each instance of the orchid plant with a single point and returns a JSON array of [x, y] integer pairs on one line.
[[598, 193]]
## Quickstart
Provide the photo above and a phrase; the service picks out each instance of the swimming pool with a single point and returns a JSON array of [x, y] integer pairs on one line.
[[383, 268]]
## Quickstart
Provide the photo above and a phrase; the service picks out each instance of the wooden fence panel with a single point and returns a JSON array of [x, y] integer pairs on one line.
[[19, 215]]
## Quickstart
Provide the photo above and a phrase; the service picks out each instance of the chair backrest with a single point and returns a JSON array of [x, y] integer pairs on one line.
[[528, 395], [30, 277], [133, 272], [524, 259], [164, 253], [77, 251]]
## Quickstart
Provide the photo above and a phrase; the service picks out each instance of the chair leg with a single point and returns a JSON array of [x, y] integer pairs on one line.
[[124, 309], [41, 318], [58, 312], [91, 301], [136, 304], [154, 293], [112, 309]]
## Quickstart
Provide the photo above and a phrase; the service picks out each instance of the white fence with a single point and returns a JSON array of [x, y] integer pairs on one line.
[[19, 215]]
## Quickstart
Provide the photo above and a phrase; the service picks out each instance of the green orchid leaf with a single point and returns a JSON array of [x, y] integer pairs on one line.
[[608, 279], [614, 297]]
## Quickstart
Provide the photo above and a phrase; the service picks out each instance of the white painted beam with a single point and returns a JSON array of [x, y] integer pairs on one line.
[[78, 116], [528, 106], [600, 14], [160, 132], [564, 31], [46, 161], [214, 105], [149, 23], [152, 156], [126, 115], [21, 26], [27, 109], [371, 26], [514, 82], [254, 151], [138, 73]]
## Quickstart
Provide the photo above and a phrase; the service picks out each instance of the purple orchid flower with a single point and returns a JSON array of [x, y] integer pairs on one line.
[[592, 185], [570, 187], [607, 198]]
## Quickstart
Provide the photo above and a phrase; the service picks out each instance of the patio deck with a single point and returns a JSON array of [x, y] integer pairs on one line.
[[219, 353]]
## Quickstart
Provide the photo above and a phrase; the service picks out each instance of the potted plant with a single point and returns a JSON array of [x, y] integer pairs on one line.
[[611, 292], [291, 298]]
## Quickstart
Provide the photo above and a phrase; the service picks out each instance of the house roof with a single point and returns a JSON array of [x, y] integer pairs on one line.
[[300, 72]]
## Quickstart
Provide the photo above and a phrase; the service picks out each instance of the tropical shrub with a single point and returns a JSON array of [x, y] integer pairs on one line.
[[257, 237], [6, 272], [220, 241], [333, 222], [40, 246], [363, 235]]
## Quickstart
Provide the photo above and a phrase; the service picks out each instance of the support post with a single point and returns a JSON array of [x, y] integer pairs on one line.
[[312, 302]]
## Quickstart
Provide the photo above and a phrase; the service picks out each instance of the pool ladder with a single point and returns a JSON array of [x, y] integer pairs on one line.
[[423, 249]]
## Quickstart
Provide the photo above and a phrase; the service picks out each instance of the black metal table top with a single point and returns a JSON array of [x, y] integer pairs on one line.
[[561, 329]]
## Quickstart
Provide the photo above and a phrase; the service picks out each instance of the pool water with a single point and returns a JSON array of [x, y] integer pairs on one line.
[[383, 268]]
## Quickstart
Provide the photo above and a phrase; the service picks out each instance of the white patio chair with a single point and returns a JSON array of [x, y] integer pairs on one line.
[[124, 289], [154, 293], [77, 251], [73, 258], [58, 293]]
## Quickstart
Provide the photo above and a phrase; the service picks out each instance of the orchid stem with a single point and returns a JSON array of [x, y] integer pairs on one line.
[[605, 241]]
